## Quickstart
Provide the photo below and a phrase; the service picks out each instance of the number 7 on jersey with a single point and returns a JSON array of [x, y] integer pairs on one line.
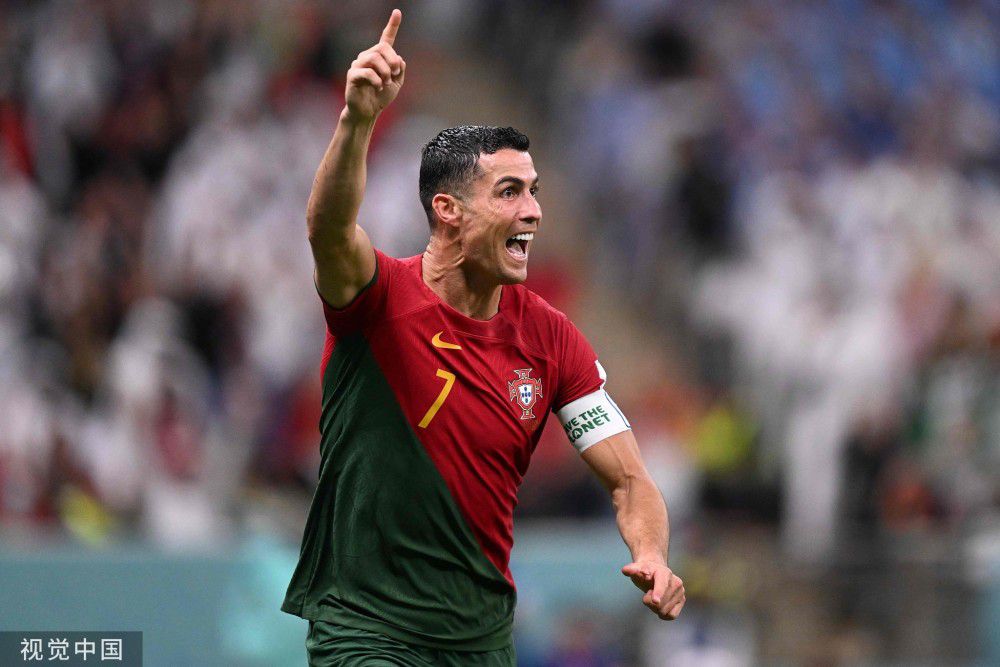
[[449, 380]]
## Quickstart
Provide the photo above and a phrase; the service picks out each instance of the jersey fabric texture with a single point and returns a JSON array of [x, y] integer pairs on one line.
[[429, 419], [330, 645]]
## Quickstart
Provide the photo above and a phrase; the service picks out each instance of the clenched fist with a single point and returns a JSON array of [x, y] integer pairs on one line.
[[376, 75]]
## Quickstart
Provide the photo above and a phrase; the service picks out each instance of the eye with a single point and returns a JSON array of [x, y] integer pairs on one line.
[[534, 191], [509, 192]]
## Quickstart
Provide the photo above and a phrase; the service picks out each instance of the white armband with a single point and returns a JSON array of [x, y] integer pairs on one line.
[[592, 418]]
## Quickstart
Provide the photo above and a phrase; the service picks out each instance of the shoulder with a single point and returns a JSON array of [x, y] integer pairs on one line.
[[549, 331], [394, 265], [400, 272], [538, 321], [401, 281]]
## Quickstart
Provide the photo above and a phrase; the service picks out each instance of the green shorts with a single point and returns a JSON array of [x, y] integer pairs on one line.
[[332, 645]]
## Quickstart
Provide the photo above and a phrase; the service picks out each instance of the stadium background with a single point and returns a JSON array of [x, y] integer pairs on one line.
[[778, 223]]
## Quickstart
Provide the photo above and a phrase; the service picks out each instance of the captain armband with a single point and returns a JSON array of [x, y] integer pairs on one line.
[[591, 418]]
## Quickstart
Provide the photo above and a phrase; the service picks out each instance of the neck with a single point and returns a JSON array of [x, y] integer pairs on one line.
[[447, 274]]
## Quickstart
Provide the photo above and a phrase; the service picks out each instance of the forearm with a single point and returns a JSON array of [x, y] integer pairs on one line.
[[642, 521], [642, 518], [345, 258], [339, 185]]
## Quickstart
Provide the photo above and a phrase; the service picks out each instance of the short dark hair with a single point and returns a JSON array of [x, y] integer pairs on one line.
[[449, 161]]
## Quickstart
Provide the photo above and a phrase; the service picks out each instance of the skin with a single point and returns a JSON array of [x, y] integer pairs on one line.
[[466, 264], [642, 521]]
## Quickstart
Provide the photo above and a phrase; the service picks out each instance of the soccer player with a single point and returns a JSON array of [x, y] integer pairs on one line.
[[438, 373]]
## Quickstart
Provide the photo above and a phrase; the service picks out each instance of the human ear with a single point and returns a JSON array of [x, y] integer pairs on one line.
[[447, 209]]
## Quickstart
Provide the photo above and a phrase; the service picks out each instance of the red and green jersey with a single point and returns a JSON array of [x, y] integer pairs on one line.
[[429, 420]]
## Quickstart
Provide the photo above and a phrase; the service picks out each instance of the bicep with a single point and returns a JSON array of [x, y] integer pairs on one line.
[[615, 460], [344, 268]]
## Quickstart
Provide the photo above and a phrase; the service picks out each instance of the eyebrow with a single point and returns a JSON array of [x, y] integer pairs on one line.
[[515, 180]]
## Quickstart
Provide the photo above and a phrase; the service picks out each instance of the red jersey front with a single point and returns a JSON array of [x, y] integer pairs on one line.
[[477, 428], [476, 395]]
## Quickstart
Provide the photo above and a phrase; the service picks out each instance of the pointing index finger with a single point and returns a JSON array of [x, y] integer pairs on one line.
[[392, 27]]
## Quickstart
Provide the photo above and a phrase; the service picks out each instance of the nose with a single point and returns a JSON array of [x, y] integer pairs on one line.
[[531, 212]]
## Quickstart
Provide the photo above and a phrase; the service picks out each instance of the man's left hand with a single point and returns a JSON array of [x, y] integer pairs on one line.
[[664, 590]]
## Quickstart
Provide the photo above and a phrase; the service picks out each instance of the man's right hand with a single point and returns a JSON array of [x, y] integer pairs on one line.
[[376, 75]]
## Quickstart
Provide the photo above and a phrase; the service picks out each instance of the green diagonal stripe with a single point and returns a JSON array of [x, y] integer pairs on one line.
[[386, 547]]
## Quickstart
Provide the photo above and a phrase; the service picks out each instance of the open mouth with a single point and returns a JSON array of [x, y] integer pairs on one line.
[[517, 245]]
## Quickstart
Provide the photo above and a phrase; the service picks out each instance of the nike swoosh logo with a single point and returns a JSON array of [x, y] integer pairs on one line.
[[437, 342]]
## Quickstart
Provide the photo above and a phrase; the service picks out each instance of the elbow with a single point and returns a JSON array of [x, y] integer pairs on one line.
[[313, 235], [318, 234], [326, 235], [318, 221], [313, 228]]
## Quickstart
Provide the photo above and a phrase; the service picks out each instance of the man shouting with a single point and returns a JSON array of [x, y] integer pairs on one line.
[[439, 372]]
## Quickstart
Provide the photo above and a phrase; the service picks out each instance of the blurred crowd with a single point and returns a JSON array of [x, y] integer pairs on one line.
[[156, 360], [807, 197], [794, 208], [790, 209]]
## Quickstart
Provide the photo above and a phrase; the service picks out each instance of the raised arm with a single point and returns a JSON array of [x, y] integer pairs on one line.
[[345, 259], [642, 521]]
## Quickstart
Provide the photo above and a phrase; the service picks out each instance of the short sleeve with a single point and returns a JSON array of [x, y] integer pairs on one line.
[[368, 305], [579, 371]]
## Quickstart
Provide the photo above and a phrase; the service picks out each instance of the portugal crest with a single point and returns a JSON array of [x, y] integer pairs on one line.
[[524, 391]]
